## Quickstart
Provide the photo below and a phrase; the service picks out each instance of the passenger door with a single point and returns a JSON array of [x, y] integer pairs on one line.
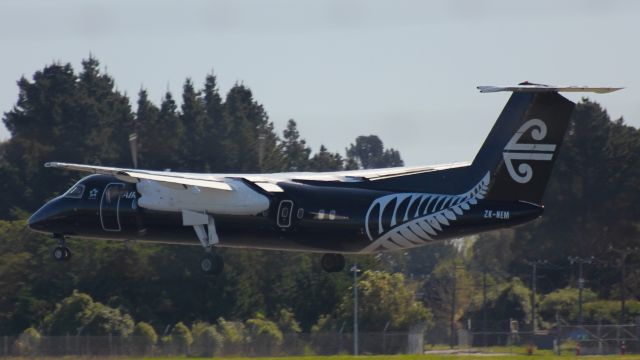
[[110, 207]]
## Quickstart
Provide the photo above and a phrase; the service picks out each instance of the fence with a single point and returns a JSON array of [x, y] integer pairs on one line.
[[289, 345], [585, 339]]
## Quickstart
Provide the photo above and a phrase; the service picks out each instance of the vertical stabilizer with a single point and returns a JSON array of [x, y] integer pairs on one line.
[[523, 145]]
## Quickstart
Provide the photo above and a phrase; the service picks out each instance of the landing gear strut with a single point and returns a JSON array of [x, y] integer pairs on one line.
[[205, 228], [61, 252], [332, 262]]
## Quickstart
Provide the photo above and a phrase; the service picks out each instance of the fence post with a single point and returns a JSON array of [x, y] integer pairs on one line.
[[599, 332], [384, 338], [637, 342]]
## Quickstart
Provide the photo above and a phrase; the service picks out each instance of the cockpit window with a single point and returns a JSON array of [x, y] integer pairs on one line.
[[75, 192]]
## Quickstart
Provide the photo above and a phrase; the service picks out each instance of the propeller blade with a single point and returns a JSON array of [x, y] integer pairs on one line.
[[133, 144]]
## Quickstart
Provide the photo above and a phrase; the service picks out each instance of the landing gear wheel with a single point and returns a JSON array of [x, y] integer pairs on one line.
[[212, 264], [61, 253], [332, 262]]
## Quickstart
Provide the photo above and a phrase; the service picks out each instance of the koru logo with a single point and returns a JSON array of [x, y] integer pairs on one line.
[[526, 152]]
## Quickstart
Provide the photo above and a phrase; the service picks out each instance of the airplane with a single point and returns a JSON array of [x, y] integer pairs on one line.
[[334, 213]]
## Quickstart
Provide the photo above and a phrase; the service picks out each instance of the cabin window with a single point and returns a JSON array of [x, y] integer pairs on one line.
[[75, 192]]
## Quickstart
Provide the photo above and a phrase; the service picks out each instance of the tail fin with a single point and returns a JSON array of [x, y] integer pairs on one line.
[[519, 153], [524, 144], [525, 141]]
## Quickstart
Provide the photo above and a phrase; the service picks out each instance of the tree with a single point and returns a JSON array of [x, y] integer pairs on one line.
[[215, 126], [150, 134], [194, 138], [79, 314], [589, 198], [324, 160], [511, 300], [170, 130], [369, 152], [295, 149], [70, 315], [251, 143], [448, 290], [384, 298], [564, 302], [65, 117]]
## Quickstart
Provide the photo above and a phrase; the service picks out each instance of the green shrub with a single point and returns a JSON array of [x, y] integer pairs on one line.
[[564, 302], [264, 334], [207, 341], [144, 338], [234, 335], [28, 342], [181, 338]]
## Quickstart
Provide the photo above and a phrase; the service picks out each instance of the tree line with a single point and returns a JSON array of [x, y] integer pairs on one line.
[[592, 203]]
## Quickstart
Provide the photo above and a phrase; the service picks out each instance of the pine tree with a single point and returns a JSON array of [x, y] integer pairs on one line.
[[295, 149], [194, 138], [215, 127], [251, 143], [150, 139], [324, 160], [170, 130], [108, 113]]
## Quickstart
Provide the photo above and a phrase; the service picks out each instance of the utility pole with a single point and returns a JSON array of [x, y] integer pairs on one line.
[[580, 261], [623, 263], [452, 340], [484, 306], [534, 267], [355, 271]]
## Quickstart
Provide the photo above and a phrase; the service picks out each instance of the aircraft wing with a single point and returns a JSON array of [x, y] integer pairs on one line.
[[133, 175], [352, 175], [266, 181]]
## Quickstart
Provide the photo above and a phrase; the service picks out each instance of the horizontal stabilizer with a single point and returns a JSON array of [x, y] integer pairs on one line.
[[530, 87]]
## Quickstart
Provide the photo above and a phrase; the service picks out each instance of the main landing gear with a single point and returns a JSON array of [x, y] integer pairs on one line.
[[211, 263], [332, 262], [61, 252]]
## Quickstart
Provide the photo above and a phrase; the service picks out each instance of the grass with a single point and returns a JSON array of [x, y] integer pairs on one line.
[[492, 353], [429, 357]]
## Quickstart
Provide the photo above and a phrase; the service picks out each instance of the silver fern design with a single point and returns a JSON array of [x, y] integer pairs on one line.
[[406, 220]]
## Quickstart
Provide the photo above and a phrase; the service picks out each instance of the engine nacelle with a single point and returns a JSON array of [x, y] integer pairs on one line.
[[242, 200]]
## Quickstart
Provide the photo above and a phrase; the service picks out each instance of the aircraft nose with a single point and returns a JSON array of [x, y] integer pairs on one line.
[[38, 220]]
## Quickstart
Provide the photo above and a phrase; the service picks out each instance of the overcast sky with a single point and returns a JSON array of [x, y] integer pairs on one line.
[[403, 70]]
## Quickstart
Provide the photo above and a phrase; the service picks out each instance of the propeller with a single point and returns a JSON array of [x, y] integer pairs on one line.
[[133, 145]]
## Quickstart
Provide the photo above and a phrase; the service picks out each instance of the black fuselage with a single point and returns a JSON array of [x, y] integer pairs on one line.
[[327, 218]]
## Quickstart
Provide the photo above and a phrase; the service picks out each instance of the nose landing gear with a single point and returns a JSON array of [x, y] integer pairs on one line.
[[332, 262], [61, 252]]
